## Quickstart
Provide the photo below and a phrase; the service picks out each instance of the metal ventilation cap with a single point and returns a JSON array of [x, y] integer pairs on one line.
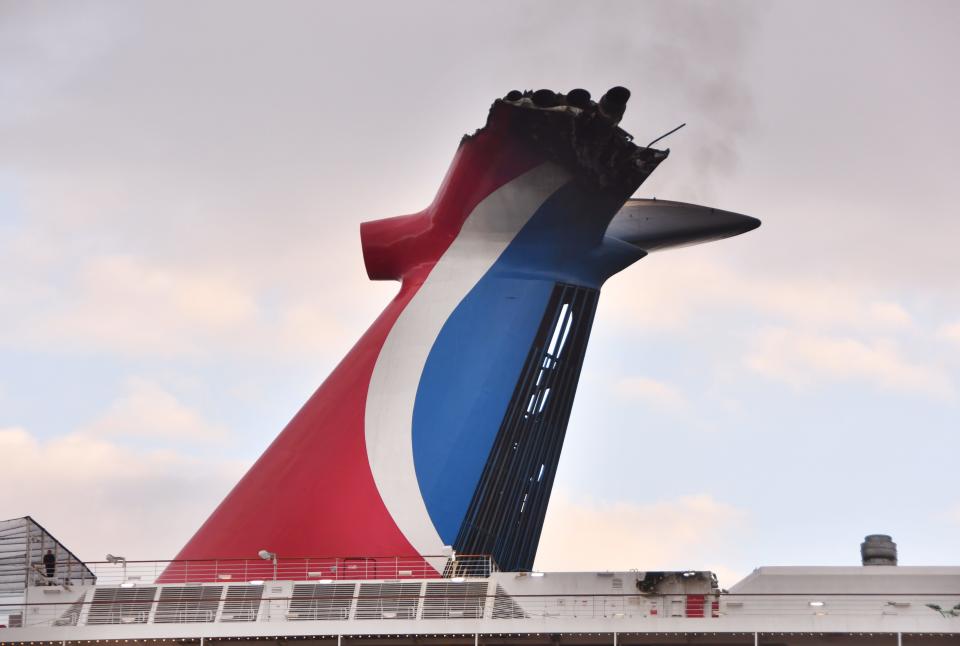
[[878, 549]]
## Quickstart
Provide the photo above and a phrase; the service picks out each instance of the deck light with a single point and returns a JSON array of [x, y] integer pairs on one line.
[[816, 604], [258, 582], [536, 574], [267, 555]]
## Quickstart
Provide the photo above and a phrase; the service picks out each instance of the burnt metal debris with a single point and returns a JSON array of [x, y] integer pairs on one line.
[[580, 134]]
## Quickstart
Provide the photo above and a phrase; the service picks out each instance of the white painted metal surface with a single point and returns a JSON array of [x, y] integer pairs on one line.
[[504, 603]]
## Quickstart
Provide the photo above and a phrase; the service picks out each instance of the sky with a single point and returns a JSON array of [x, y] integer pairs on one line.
[[181, 186]]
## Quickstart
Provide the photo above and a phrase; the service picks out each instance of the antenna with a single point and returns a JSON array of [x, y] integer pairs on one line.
[[665, 135]]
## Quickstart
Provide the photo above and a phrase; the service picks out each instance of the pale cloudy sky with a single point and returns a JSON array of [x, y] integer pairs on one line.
[[180, 191]]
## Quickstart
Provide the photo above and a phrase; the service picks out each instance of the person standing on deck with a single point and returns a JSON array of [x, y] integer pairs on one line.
[[50, 565]]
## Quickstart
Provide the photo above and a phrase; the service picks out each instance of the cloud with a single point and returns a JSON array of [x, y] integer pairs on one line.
[[792, 328], [890, 314], [950, 333], [678, 290], [128, 305], [147, 410], [97, 496], [952, 515], [313, 327], [804, 358], [583, 534], [651, 391]]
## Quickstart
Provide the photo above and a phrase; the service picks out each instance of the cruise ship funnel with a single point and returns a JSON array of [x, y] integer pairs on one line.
[[442, 428]]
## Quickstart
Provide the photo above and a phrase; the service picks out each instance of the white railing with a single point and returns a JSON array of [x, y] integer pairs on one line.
[[66, 572], [291, 569], [487, 608]]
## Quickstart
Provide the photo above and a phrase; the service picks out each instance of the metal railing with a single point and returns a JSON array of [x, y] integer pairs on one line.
[[488, 608], [292, 569], [67, 572]]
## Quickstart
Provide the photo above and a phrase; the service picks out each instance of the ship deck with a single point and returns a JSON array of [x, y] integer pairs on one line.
[[477, 604]]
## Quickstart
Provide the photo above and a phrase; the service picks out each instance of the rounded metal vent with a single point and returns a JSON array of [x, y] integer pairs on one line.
[[878, 549]]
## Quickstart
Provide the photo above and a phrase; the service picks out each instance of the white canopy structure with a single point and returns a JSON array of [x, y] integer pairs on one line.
[[23, 544]]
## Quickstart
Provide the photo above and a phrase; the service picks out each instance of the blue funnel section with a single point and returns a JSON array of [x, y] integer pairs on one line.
[[470, 378], [487, 431], [506, 513]]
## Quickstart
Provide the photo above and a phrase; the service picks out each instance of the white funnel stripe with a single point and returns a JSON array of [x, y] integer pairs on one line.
[[486, 233]]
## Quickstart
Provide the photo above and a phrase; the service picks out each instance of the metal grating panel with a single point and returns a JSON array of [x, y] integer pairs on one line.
[[506, 513], [242, 603], [321, 601], [504, 607], [71, 615], [121, 606], [188, 604], [388, 601], [454, 600]]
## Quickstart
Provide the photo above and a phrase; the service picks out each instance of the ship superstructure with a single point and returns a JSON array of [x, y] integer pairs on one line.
[[404, 502], [359, 601]]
